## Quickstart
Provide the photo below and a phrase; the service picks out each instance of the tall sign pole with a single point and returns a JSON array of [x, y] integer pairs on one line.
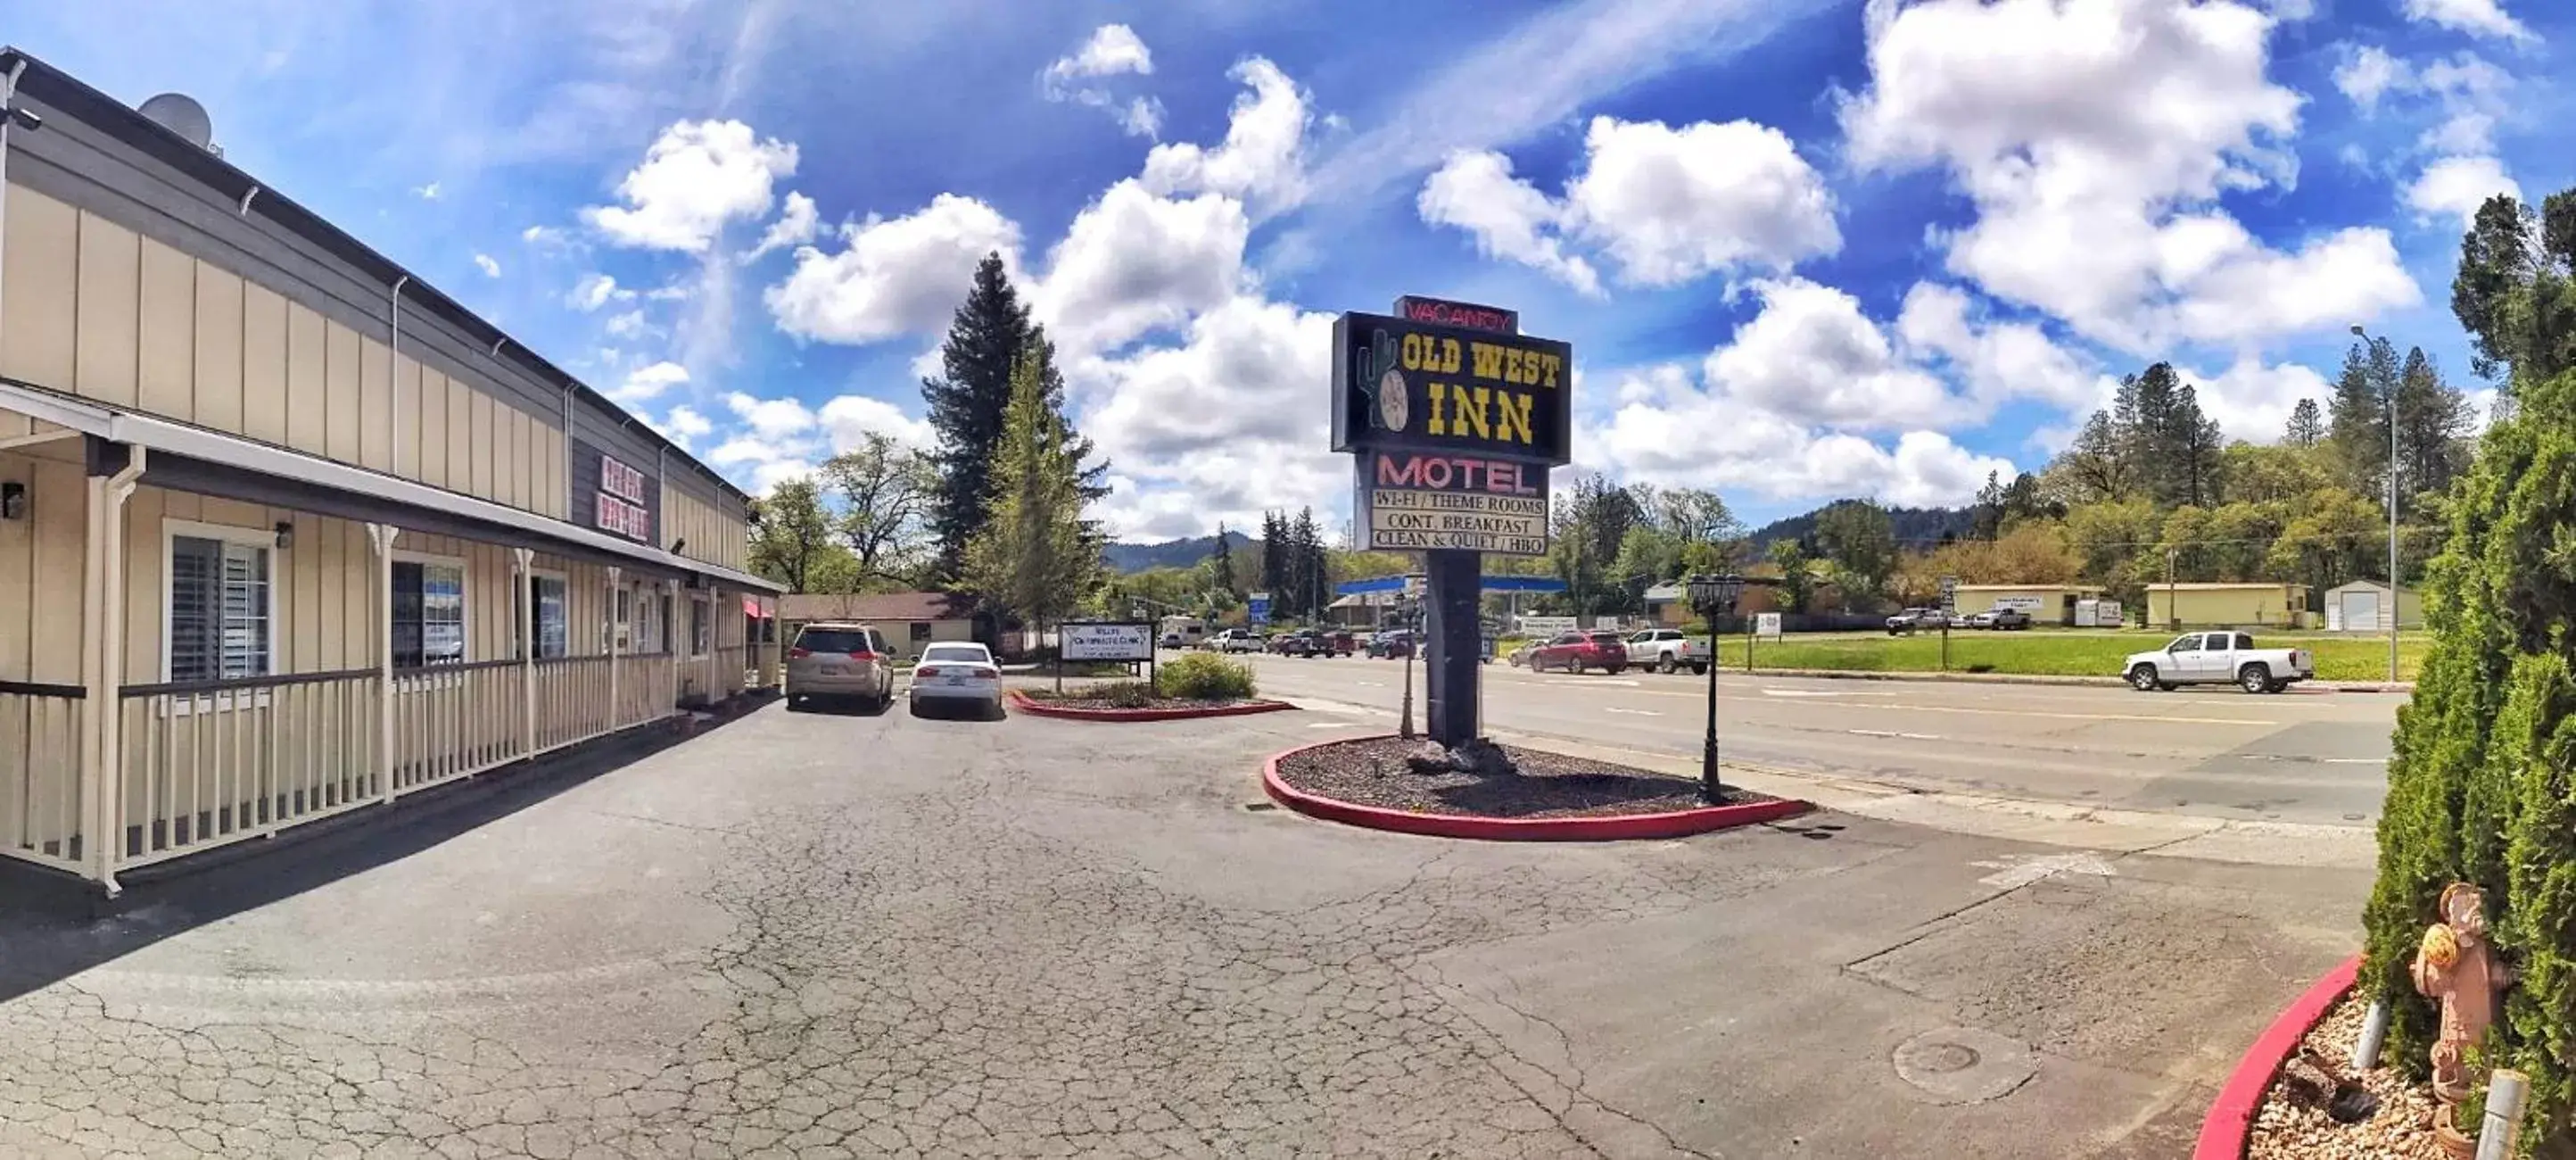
[[1452, 418]]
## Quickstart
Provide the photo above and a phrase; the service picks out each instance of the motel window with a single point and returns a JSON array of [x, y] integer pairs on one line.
[[699, 624], [221, 608], [549, 619], [671, 633], [429, 613], [625, 639]]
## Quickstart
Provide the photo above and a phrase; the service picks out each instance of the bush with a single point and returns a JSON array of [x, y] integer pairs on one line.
[[1121, 694], [1203, 677], [2479, 784]]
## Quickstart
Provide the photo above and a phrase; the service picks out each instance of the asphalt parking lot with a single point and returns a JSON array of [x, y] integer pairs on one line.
[[826, 934]]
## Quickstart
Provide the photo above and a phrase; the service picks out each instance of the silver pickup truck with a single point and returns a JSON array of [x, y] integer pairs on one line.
[[1667, 649], [2219, 658]]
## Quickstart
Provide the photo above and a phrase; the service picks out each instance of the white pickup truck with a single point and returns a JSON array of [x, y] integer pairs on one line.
[[2219, 658], [1666, 649]]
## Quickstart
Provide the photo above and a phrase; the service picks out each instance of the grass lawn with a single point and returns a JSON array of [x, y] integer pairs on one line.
[[2097, 653]]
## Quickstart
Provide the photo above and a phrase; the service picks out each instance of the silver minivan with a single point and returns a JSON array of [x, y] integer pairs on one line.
[[840, 660]]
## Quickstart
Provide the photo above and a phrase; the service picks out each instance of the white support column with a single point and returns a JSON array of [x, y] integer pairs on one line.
[[103, 669], [671, 640], [383, 537], [522, 564], [715, 641], [616, 585]]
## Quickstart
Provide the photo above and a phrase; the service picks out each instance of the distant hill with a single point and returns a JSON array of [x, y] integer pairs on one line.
[[1168, 554], [1915, 527]]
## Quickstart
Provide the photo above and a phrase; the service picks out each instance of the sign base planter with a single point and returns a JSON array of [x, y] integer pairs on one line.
[[1664, 823], [1023, 703], [2223, 1133]]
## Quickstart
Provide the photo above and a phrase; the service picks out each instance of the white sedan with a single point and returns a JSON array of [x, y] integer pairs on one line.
[[960, 675]]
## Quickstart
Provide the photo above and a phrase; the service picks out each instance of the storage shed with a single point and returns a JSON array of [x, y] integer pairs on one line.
[[2046, 603], [2363, 606], [2240, 605]]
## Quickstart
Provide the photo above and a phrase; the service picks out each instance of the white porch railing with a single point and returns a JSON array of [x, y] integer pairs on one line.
[[208, 763], [40, 794], [453, 721], [572, 700]]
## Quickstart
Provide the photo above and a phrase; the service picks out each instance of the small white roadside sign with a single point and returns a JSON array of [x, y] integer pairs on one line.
[[1107, 642]]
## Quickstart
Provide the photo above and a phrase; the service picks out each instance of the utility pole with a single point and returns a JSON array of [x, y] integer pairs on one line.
[[2364, 336]]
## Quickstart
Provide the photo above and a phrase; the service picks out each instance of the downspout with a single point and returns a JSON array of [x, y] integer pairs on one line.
[[103, 608], [393, 381]]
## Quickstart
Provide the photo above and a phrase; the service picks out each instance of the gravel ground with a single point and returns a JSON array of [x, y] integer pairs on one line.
[[1076, 701], [1371, 772], [2400, 1130]]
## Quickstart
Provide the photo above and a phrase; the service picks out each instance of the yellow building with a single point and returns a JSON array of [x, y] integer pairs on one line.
[[2046, 603], [2228, 605], [284, 531]]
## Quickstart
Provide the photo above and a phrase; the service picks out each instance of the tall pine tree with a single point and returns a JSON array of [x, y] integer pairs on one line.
[[2432, 423], [2307, 426], [1221, 562], [1274, 554], [1311, 580], [2357, 416], [1034, 554], [987, 340]]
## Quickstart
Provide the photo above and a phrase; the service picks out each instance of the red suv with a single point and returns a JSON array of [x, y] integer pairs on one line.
[[1574, 651]]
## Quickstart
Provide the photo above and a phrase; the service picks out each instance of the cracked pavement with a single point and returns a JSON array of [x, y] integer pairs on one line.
[[815, 935]]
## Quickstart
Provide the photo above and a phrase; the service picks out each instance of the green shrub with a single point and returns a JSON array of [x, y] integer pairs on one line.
[[2479, 785], [1203, 677]]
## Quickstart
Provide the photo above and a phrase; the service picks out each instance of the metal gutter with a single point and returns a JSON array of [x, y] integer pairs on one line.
[[200, 443]]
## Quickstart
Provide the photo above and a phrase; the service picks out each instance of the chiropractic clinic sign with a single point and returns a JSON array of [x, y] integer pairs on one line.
[[1403, 385]]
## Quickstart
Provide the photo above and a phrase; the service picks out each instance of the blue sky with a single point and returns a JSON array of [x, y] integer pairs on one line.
[[1803, 248]]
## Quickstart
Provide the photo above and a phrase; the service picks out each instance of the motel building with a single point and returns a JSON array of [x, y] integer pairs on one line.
[[284, 531]]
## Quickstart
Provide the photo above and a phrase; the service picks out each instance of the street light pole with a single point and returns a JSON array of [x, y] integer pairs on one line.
[[1713, 595], [2357, 332]]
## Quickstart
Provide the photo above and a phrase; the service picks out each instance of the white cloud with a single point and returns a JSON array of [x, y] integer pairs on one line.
[[1220, 427], [2456, 186], [694, 179], [1670, 432], [628, 325], [1134, 261], [1112, 50], [1997, 361], [892, 276], [683, 424], [771, 419], [427, 192], [797, 222], [2473, 94], [544, 237], [2369, 74], [645, 382], [1671, 204], [1811, 358], [2475, 17], [2252, 399], [849, 419], [594, 291], [1262, 161], [1508, 217], [1665, 205], [490, 268]]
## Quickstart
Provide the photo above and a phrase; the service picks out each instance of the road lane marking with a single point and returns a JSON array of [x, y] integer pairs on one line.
[[1584, 682], [1893, 733], [1632, 712], [1335, 725]]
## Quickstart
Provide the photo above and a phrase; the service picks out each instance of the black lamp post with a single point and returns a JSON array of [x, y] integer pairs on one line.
[[1713, 596]]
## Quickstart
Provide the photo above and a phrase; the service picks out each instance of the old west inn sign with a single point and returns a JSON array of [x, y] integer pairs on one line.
[[1453, 418], [1453, 427]]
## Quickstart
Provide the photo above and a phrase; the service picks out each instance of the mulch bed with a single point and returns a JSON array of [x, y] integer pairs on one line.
[[2402, 1128], [1071, 701], [1371, 772]]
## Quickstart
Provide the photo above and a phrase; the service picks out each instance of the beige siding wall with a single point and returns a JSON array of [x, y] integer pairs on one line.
[[94, 309], [323, 585], [713, 537], [41, 566]]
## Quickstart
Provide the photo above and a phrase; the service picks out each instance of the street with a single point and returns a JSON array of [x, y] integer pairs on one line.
[[2302, 757], [836, 934]]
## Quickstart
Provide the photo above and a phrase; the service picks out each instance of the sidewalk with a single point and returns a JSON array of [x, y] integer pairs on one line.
[[2039, 679]]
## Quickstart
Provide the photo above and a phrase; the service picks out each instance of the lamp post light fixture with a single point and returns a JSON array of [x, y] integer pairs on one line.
[[1713, 596]]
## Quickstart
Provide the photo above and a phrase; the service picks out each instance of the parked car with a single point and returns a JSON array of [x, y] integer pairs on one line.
[[2219, 658], [1235, 640], [1520, 656], [2006, 619], [1667, 649], [1390, 645], [1574, 652], [1912, 619], [953, 673], [833, 659], [1313, 642]]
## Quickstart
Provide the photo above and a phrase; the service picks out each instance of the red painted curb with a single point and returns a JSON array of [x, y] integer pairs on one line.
[[1677, 824], [1027, 704], [2231, 1116]]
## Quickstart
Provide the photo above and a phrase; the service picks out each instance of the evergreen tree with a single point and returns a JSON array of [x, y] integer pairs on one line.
[[2479, 785], [1987, 520], [1221, 562], [2307, 426], [2432, 419], [988, 338], [2197, 447], [2357, 416], [1861, 541], [1034, 553], [1312, 581], [1274, 557]]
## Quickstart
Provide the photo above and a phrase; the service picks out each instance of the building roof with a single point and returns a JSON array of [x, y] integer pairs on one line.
[[65, 92], [885, 606], [2225, 586], [2373, 585]]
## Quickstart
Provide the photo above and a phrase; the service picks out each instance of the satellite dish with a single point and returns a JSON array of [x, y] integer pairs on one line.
[[181, 114]]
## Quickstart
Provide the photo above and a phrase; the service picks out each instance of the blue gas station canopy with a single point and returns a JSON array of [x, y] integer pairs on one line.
[[1380, 584]]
